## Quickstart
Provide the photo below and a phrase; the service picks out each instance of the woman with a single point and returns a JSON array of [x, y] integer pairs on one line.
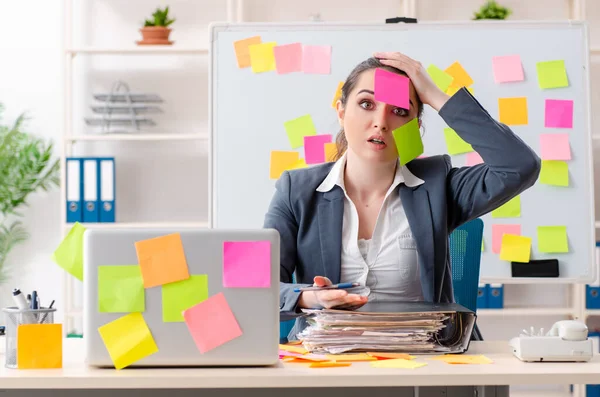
[[367, 219]]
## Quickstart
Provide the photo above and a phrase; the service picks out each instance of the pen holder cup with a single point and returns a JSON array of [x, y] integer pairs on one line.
[[15, 317]]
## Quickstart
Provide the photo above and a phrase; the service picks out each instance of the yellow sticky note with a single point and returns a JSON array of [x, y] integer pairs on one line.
[[328, 364], [69, 254], [552, 239], [262, 57], [128, 340], [338, 95], [513, 111], [397, 363], [463, 359], [510, 209], [282, 161], [330, 151], [515, 248], [453, 89], [301, 163], [350, 357], [552, 74], [293, 349], [442, 79], [554, 172], [242, 53], [455, 143], [384, 355], [460, 76], [39, 346]]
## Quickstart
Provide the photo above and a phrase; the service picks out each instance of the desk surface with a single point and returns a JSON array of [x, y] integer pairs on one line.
[[506, 370]]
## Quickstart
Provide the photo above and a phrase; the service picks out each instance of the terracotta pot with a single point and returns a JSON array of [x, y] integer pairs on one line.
[[155, 35]]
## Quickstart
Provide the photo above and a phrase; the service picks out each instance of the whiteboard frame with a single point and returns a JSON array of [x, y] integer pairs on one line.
[[218, 27]]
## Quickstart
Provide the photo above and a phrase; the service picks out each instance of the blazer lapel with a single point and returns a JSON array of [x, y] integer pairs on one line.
[[331, 214], [418, 212]]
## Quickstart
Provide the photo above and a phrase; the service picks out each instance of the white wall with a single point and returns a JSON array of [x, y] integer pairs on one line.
[[160, 181]]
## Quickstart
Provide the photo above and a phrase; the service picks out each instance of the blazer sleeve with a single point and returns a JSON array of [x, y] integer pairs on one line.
[[509, 168], [280, 217]]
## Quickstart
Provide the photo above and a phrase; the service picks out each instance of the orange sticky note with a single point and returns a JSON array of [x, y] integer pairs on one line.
[[513, 111], [338, 95], [293, 349], [242, 52], [330, 151], [460, 75], [282, 161], [351, 357], [162, 260], [391, 355], [328, 364], [39, 346]]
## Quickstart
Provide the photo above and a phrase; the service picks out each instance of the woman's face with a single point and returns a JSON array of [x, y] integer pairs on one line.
[[368, 124]]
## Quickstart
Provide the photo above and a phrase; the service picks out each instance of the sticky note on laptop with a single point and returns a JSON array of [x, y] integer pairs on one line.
[[69, 254], [391, 88], [120, 289], [246, 264], [128, 340], [162, 260], [212, 323], [552, 239], [181, 295]]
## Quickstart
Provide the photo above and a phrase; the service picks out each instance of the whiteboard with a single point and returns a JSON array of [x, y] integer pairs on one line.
[[248, 112]]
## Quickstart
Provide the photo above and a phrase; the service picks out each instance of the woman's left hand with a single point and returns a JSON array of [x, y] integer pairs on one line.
[[428, 91]]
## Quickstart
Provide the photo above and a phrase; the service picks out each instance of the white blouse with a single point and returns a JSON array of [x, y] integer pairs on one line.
[[387, 264]]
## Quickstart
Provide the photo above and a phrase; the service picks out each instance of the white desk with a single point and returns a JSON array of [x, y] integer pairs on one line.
[[506, 370]]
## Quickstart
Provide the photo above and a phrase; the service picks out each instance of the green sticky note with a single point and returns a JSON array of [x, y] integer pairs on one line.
[[439, 77], [510, 209], [69, 254], [181, 295], [298, 128], [552, 74], [552, 239], [455, 144], [408, 141], [555, 173], [482, 245], [120, 289]]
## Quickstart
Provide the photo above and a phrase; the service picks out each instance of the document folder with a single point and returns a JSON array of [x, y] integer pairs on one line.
[[74, 187], [90, 190], [408, 327], [107, 189]]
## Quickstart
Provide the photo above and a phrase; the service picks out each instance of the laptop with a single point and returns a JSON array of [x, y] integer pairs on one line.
[[256, 309]]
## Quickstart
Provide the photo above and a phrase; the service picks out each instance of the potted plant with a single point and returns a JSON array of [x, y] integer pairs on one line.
[[26, 167], [492, 10], [156, 29]]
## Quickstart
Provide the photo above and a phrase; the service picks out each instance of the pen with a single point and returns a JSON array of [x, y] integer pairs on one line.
[[46, 314], [34, 300], [333, 286]]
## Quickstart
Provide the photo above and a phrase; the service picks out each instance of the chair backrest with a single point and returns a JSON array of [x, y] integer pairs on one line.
[[465, 258]]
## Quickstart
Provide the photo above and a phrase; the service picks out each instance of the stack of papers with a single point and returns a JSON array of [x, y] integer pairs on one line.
[[338, 331]]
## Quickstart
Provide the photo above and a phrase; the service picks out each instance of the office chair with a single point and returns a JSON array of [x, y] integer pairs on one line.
[[465, 259]]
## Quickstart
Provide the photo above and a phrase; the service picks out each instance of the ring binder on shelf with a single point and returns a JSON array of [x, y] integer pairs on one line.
[[106, 187], [90, 190], [74, 187]]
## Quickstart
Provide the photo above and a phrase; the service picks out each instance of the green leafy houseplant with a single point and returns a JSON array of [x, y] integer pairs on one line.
[[156, 29], [26, 167], [492, 10]]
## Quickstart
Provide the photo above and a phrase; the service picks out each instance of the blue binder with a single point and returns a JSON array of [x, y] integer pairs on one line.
[[90, 190], [106, 188], [74, 187], [482, 297], [495, 299], [592, 291]]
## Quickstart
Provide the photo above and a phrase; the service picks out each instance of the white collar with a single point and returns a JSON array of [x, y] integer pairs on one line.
[[336, 177]]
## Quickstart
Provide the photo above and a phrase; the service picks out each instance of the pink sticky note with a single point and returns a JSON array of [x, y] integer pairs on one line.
[[247, 264], [288, 58], [555, 147], [559, 113], [498, 231], [316, 59], [211, 323], [314, 148], [507, 68], [473, 158], [391, 88]]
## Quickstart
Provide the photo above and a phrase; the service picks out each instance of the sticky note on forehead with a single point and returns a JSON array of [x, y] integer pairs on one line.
[[392, 88], [408, 141]]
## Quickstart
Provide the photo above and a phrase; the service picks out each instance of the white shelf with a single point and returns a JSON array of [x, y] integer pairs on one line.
[[128, 225], [136, 137], [150, 50], [529, 311]]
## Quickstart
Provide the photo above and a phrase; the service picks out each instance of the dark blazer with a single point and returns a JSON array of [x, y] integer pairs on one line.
[[310, 222]]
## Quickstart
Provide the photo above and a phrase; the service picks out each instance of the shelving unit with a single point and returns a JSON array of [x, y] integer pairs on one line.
[[71, 137]]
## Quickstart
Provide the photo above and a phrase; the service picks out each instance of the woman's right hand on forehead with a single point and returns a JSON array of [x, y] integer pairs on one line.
[[330, 299]]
